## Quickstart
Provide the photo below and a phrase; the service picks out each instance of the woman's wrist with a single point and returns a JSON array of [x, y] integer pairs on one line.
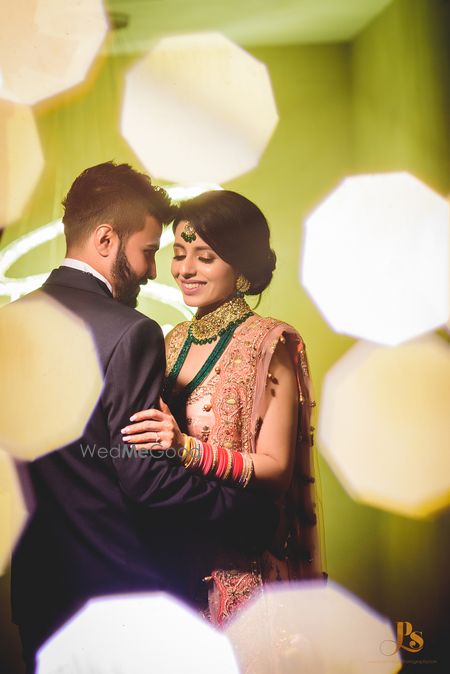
[[218, 462]]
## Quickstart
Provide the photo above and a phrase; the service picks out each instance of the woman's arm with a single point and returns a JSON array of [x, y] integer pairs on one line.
[[274, 458]]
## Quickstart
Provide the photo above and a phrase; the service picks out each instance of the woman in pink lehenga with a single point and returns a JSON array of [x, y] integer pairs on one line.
[[238, 385]]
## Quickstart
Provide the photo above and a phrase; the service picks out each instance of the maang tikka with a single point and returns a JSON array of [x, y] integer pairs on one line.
[[188, 233]]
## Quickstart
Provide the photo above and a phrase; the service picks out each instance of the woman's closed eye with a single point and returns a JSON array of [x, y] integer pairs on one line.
[[206, 260]]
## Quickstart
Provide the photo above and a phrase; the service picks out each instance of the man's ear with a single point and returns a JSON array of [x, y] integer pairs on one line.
[[105, 240]]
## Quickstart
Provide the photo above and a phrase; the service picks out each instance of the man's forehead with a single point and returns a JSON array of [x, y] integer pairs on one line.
[[152, 229]]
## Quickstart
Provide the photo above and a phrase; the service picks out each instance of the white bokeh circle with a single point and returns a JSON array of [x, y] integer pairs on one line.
[[384, 425], [376, 258], [198, 108]]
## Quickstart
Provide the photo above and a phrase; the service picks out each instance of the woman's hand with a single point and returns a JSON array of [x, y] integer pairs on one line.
[[153, 427]]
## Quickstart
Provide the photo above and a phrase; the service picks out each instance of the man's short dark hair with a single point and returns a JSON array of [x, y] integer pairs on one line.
[[115, 194]]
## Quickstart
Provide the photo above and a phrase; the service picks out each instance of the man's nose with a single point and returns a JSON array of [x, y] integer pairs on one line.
[[152, 272]]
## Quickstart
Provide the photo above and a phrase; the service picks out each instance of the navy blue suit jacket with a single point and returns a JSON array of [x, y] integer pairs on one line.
[[115, 525]]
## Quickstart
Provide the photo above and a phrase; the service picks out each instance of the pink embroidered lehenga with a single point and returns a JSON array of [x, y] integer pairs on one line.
[[226, 410]]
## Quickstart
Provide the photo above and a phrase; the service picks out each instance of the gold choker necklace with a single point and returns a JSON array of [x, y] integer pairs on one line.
[[228, 316]]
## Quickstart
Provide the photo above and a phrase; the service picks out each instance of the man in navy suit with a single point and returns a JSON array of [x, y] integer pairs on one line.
[[118, 522]]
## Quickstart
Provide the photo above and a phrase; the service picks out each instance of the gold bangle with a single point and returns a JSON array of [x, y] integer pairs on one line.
[[229, 468], [191, 455], [196, 451], [192, 452], [244, 471], [250, 472], [184, 455], [214, 461], [187, 455], [184, 452]]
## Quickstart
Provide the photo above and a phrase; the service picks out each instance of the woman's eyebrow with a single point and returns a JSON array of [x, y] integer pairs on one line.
[[180, 245]]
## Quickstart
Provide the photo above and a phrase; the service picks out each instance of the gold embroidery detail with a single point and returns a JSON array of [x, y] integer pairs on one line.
[[205, 390], [205, 433], [304, 362], [174, 342]]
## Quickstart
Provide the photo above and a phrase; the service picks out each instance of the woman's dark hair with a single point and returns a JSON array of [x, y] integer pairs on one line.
[[115, 194], [236, 230]]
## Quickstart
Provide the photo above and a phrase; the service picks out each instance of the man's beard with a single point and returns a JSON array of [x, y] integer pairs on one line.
[[127, 283]]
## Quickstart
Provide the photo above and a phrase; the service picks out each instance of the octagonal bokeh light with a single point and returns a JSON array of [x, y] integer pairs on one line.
[[384, 425], [51, 376], [137, 633], [13, 509], [311, 628], [19, 138], [198, 108], [47, 46], [376, 257]]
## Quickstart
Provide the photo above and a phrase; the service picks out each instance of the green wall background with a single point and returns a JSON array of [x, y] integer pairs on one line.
[[379, 103]]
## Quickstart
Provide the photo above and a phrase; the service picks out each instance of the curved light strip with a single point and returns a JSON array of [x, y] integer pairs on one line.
[[16, 287]]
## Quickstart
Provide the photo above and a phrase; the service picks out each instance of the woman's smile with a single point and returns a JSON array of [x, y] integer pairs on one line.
[[205, 280], [191, 287]]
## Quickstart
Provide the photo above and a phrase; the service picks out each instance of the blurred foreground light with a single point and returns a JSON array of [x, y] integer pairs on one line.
[[312, 628], [385, 425], [133, 634], [51, 378], [47, 46], [19, 139], [198, 108], [376, 257], [13, 511]]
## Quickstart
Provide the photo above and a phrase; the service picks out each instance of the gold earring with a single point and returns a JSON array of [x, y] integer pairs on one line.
[[242, 284]]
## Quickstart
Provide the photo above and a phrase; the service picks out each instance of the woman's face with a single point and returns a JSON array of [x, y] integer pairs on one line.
[[205, 280]]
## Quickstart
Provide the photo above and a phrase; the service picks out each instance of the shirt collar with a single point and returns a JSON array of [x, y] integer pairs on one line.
[[84, 266]]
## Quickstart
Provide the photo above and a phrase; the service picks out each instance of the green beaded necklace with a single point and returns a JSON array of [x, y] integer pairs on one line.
[[224, 334]]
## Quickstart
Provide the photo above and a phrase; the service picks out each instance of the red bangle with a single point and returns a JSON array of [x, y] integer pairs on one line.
[[238, 464], [208, 459], [204, 456], [220, 462]]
